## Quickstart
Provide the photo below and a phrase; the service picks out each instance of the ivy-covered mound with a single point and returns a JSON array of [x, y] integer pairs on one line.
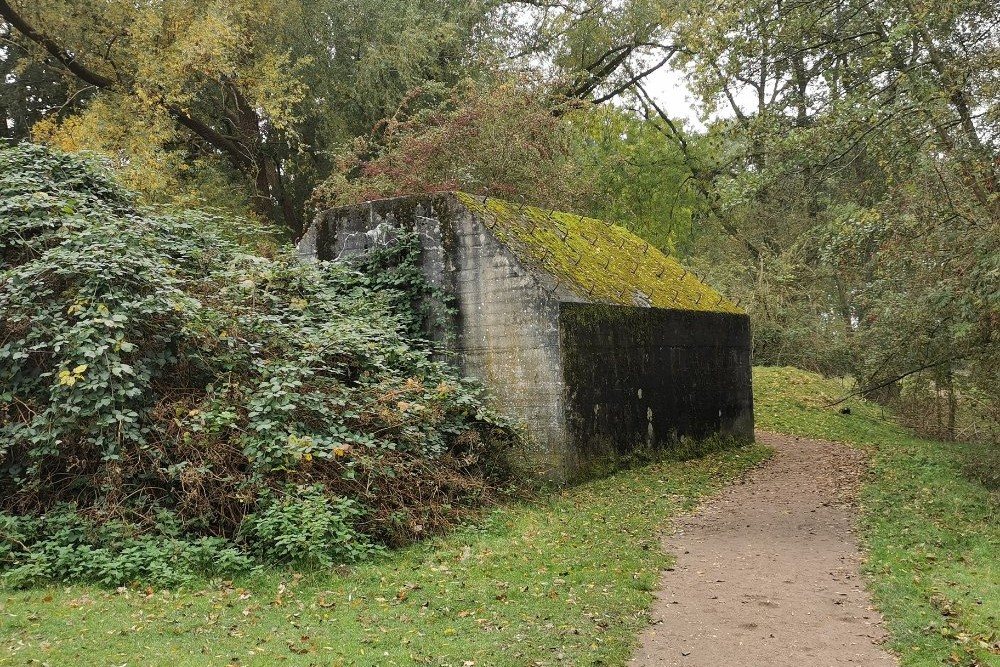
[[172, 402]]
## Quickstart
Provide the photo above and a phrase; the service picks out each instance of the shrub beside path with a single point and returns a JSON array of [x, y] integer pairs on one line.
[[767, 573]]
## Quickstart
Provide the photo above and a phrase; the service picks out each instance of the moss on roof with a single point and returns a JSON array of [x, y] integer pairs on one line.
[[596, 260]]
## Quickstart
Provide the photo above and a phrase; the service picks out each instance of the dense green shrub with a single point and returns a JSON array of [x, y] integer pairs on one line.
[[305, 525], [152, 365], [64, 545]]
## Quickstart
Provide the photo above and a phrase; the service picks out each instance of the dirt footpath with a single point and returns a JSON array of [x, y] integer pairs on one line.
[[767, 572]]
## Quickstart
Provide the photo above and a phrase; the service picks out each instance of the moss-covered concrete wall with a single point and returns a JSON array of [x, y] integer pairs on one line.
[[595, 341], [647, 376], [506, 329]]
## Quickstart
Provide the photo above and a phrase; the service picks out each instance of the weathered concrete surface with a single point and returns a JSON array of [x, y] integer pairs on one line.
[[508, 336], [506, 328], [768, 572], [584, 379], [648, 376]]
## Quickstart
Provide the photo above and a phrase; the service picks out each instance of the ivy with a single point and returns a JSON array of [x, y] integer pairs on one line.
[[153, 365], [394, 269]]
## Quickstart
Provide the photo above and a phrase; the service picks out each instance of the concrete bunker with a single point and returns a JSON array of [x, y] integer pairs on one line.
[[595, 340]]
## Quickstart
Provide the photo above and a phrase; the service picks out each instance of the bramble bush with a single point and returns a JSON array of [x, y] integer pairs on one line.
[[176, 391], [305, 525]]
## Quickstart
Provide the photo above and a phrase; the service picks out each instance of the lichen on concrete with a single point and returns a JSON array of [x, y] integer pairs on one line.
[[596, 260]]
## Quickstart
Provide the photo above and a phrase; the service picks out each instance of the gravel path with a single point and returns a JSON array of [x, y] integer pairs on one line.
[[767, 572]]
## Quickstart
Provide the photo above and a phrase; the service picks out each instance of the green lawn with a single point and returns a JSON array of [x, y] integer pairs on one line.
[[561, 582], [932, 535], [564, 582]]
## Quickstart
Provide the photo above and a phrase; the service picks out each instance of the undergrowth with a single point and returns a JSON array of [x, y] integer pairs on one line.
[[564, 580], [179, 398]]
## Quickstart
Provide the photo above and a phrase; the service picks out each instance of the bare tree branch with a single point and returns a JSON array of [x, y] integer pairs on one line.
[[897, 378], [54, 49], [618, 90]]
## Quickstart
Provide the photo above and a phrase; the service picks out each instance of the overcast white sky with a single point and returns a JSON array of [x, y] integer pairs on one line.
[[668, 88]]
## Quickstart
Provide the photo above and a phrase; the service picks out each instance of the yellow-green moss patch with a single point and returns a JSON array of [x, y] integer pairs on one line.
[[598, 261]]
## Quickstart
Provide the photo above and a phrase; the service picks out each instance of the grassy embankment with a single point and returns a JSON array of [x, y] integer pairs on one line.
[[932, 534], [566, 581]]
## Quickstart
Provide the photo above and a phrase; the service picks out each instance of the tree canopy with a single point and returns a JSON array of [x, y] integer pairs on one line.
[[216, 98]]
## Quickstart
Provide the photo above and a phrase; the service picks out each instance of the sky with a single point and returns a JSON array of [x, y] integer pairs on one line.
[[670, 90], [668, 87]]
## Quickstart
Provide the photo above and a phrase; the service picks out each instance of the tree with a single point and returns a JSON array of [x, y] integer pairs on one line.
[[266, 87], [527, 143], [859, 171], [508, 139], [30, 90], [635, 178], [261, 95], [595, 50]]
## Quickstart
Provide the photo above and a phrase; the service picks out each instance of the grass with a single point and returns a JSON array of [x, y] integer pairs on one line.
[[932, 535], [566, 581]]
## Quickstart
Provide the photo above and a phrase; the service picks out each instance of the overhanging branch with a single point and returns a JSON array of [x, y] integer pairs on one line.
[[233, 150], [893, 380], [65, 57]]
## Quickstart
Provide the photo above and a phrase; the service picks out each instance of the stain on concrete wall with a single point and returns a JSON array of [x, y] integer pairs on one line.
[[649, 376]]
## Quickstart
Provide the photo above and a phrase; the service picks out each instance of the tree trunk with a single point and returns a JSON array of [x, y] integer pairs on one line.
[[270, 198], [952, 407], [844, 306]]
